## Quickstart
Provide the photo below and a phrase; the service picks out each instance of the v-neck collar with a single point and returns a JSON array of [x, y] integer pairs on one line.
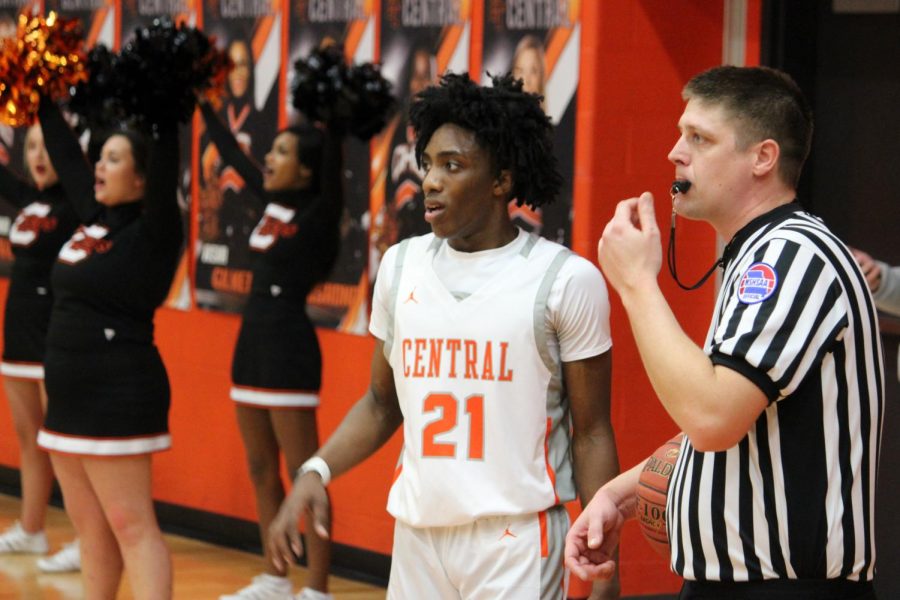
[[514, 247]]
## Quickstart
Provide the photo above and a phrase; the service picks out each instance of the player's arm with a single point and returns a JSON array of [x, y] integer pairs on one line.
[[366, 427], [588, 383], [369, 424], [714, 405]]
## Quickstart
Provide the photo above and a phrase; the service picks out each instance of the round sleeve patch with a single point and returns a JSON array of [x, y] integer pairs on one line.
[[757, 283]]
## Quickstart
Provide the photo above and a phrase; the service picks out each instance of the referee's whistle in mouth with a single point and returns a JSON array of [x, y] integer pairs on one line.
[[680, 186]]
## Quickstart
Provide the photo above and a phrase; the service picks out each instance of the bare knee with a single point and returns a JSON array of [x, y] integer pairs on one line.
[[131, 525]]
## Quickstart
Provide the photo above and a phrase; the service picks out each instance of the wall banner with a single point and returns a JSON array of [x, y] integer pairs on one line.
[[341, 302], [539, 42], [251, 33], [419, 42]]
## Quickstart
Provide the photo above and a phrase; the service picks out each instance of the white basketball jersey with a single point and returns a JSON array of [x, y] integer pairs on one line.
[[486, 425]]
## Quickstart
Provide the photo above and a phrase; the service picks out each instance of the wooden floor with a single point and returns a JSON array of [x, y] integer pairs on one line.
[[202, 571]]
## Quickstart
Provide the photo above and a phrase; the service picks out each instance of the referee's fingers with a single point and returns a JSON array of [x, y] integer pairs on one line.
[[624, 211], [595, 533], [647, 214]]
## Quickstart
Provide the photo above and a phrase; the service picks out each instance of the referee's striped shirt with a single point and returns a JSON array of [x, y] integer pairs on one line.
[[795, 498]]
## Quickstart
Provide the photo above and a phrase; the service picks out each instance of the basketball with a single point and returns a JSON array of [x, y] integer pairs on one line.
[[653, 485]]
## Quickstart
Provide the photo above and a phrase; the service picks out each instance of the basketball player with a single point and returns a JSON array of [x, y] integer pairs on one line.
[[773, 492], [493, 353]]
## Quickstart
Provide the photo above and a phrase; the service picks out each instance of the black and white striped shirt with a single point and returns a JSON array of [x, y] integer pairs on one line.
[[794, 499]]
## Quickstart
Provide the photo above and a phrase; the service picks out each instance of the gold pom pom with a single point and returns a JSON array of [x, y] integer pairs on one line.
[[45, 57]]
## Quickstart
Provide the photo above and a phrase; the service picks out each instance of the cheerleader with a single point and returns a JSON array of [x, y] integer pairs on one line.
[[276, 369], [108, 392], [44, 222]]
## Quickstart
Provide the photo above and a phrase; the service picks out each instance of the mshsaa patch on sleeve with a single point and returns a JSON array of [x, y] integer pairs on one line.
[[757, 283]]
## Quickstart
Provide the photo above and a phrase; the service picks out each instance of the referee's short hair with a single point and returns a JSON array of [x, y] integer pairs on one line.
[[507, 122], [766, 104]]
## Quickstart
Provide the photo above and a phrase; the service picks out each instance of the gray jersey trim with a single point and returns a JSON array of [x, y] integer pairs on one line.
[[540, 307], [554, 576], [557, 407], [529, 244], [392, 299]]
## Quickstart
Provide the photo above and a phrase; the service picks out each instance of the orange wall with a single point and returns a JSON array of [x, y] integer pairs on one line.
[[636, 55]]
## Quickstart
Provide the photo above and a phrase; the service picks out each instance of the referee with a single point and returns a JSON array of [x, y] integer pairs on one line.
[[774, 489]]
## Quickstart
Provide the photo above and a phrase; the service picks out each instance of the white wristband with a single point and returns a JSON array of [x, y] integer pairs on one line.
[[315, 465]]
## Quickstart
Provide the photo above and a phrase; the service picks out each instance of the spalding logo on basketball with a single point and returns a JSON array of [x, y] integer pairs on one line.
[[653, 486]]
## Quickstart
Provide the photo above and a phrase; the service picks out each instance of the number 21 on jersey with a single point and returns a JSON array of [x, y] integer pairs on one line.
[[447, 407]]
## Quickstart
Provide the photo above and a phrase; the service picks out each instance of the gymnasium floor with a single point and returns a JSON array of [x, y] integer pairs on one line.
[[201, 571]]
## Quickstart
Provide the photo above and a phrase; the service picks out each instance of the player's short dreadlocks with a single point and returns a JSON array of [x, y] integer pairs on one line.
[[506, 121]]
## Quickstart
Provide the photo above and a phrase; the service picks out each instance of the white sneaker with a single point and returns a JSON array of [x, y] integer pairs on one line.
[[264, 587], [16, 540], [66, 560], [311, 594]]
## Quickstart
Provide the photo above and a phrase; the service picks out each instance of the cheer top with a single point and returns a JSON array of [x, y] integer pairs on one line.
[[44, 222]]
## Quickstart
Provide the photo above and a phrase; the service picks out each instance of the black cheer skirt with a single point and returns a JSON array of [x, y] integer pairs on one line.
[[277, 361], [108, 399], [25, 321]]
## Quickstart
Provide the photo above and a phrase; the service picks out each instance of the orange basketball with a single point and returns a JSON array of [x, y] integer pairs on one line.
[[652, 488]]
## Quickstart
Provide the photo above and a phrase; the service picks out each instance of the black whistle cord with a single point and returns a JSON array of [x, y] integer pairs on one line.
[[670, 259]]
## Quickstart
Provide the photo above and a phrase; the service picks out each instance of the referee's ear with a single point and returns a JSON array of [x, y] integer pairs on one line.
[[766, 155]]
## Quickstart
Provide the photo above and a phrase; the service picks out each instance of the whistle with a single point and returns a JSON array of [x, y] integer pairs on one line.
[[680, 186]]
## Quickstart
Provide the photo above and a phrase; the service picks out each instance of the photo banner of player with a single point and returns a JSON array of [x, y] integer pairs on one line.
[[420, 41], [341, 302], [12, 140], [141, 13], [251, 33], [539, 42]]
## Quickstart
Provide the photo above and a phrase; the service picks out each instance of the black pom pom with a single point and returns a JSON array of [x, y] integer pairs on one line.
[[96, 101], [162, 69], [347, 99], [154, 81], [374, 102]]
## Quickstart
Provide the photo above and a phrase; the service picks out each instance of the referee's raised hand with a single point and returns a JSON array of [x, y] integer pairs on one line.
[[629, 252]]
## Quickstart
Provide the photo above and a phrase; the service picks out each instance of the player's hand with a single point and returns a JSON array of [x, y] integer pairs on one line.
[[869, 268], [592, 540], [308, 496], [629, 251]]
